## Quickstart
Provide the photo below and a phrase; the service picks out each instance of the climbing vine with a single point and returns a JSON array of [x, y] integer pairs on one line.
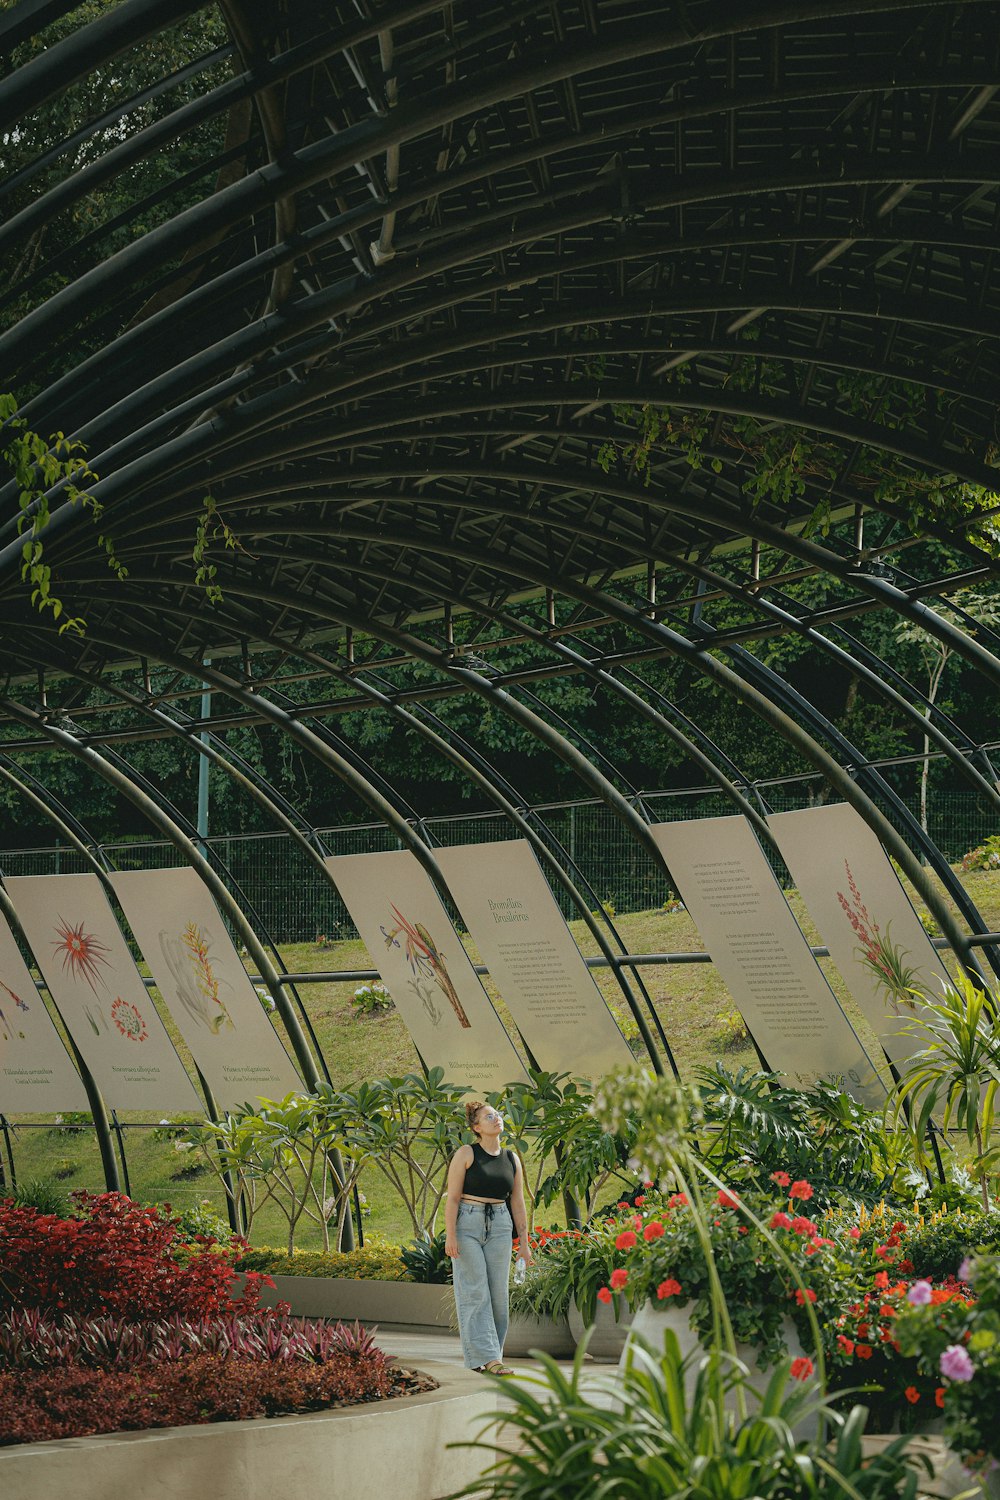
[[211, 527], [38, 465], [787, 466]]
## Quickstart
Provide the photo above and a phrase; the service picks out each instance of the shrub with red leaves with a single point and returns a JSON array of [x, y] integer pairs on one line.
[[116, 1257], [67, 1401]]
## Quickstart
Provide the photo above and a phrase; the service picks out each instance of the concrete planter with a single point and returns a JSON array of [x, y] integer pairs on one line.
[[397, 1448], [393, 1305], [608, 1335], [550, 1335], [651, 1321]]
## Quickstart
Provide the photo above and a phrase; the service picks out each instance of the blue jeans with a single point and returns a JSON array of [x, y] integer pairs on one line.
[[481, 1272]]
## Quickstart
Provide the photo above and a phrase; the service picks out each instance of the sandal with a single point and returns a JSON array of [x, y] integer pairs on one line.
[[495, 1367]]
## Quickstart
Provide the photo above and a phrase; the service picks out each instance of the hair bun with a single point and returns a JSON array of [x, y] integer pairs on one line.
[[472, 1110]]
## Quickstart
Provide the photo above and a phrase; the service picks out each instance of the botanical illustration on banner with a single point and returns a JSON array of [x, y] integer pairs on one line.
[[428, 966], [10, 1029], [190, 961], [884, 959], [84, 957]]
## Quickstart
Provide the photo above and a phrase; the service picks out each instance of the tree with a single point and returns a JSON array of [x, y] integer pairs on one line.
[[936, 655]]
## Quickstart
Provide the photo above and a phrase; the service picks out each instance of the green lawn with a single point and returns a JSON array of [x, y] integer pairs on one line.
[[690, 1000]]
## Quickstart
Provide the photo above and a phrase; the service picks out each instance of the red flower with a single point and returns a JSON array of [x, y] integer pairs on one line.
[[855, 1233], [653, 1230], [668, 1288], [604, 1295], [939, 1396], [621, 1203], [802, 1368], [882, 1280], [677, 1200], [846, 1344], [804, 1226], [618, 1279], [800, 1189], [780, 1220], [809, 1294], [640, 1200], [863, 1351], [781, 1178], [906, 1266], [882, 1251], [725, 1199], [912, 1394], [626, 1240]]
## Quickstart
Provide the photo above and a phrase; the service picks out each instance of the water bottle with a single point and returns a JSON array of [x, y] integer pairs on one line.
[[520, 1270]]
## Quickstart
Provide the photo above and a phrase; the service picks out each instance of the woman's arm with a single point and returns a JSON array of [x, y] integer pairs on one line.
[[460, 1164], [518, 1212]]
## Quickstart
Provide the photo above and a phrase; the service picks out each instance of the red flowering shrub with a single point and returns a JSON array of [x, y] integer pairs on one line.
[[117, 1257], [67, 1401], [894, 1386]]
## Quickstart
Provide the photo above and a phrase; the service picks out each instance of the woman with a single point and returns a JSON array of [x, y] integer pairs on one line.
[[482, 1181]]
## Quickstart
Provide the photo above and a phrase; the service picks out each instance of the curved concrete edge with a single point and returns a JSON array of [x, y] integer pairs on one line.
[[397, 1448]]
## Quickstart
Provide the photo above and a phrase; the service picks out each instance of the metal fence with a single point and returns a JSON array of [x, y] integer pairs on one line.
[[280, 889]]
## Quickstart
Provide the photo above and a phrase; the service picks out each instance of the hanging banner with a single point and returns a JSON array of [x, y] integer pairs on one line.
[[863, 916], [204, 985], [37, 1075], [509, 909], [91, 976], [420, 957], [761, 955]]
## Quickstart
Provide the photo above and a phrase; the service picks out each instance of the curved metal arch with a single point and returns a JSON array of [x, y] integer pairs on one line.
[[166, 825], [215, 437], [373, 137], [751, 696]]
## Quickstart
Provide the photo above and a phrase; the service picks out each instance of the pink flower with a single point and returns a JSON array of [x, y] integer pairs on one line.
[[955, 1364], [965, 1269], [626, 1240], [919, 1294], [618, 1279]]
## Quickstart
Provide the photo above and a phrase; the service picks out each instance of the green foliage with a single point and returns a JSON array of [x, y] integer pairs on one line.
[[589, 1157], [956, 1073], [407, 1128], [985, 856], [376, 1260], [45, 1195], [641, 1436], [372, 999], [38, 465], [938, 1249], [425, 1260], [212, 527], [755, 1125], [793, 468], [279, 1152], [196, 1221]]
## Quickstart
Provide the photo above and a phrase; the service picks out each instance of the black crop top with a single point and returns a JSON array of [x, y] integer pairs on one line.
[[490, 1176]]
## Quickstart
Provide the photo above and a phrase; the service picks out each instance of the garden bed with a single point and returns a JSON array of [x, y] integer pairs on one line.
[[399, 1447]]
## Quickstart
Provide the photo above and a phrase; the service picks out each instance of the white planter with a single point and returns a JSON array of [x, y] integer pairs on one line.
[[550, 1335], [607, 1340], [651, 1321], [398, 1448]]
